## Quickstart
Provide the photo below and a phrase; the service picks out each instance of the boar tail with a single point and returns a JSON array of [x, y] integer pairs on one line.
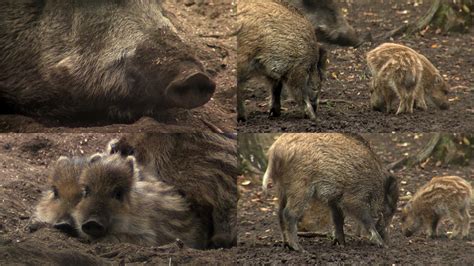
[[267, 176], [391, 193]]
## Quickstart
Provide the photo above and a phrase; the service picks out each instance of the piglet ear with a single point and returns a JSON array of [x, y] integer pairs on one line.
[[112, 147], [131, 162], [63, 160], [95, 157]]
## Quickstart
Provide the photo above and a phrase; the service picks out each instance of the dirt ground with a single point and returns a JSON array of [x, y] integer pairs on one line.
[[452, 54], [259, 233], [208, 25], [24, 161]]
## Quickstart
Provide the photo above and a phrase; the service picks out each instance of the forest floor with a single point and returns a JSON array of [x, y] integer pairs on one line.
[[24, 168], [451, 53], [259, 232], [207, 25]]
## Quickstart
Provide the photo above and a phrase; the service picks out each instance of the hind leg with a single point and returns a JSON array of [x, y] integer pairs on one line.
[[291, 214], [458, 221], [281, 218], [466, 222], [224, 228], [410, 102], [275, 110], [420, 101], [338, 220]]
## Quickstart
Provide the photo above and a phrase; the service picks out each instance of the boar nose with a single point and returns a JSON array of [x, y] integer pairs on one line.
[[66, 225], [94, 228], [408, 233], [190, 89]]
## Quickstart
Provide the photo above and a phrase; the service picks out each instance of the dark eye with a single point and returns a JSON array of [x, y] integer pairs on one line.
[[85, 191], [55, 192], [118, 194]]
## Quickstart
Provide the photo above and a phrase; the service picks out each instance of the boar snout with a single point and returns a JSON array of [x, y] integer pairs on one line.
[[66, 225], [190, 90], [408, 233], [94, 227]]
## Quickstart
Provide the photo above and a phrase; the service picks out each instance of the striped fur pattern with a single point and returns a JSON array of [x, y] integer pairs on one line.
[[400, 72], [116, 208], [201, 166], [444, 197]]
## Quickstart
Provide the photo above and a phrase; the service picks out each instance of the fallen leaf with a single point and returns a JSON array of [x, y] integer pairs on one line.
[[246, 183]]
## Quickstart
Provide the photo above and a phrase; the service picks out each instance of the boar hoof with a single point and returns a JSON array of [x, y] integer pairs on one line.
[[275, 112], [192, 91], [336, 242]]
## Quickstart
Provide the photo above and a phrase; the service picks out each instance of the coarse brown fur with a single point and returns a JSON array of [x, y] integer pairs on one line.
[[328, 21], [79, 59], [339, 171], [400, 72], [279, 43], [117, 208], [57, 203], [202, 167], [441, 198]]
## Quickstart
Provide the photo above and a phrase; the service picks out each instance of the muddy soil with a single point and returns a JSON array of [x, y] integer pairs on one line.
[[259, 233], [24, 161], [346, 92], [208, 26]]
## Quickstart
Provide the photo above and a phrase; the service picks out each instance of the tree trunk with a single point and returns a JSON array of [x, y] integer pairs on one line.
[[442, 148], [253, 151]]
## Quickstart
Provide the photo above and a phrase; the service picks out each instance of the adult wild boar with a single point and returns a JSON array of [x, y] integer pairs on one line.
[[120, 59], [278, 43], [341, 172], [202, 167]]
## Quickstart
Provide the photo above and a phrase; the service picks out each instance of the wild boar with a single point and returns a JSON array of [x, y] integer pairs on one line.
[[116, 208], [202, 167], [57, 204], [400, 72], [328, 21], [338, 170], [107, 59], [277, 42], [442, 197]]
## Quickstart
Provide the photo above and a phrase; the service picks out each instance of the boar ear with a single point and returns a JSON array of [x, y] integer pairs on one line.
[[112, 147], [95, 157], [132, 164]]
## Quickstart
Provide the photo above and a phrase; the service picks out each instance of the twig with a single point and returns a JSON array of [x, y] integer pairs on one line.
[[326, 101], [311, 234]]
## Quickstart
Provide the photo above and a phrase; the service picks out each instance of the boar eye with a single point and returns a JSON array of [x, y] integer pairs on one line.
[[55, 192], [85, 191], [118, 195]]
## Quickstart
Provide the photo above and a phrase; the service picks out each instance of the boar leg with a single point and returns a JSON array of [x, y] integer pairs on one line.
[[241, 114], [224, 235], [292, 213], [433, 230], [338, 220], [297, 84], [281, 219], [466, 222], [366, 219], [458, 221], [275, 110], [420, 101]]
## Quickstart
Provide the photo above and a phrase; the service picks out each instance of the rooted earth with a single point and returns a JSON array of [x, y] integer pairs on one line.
[[345, 96]]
